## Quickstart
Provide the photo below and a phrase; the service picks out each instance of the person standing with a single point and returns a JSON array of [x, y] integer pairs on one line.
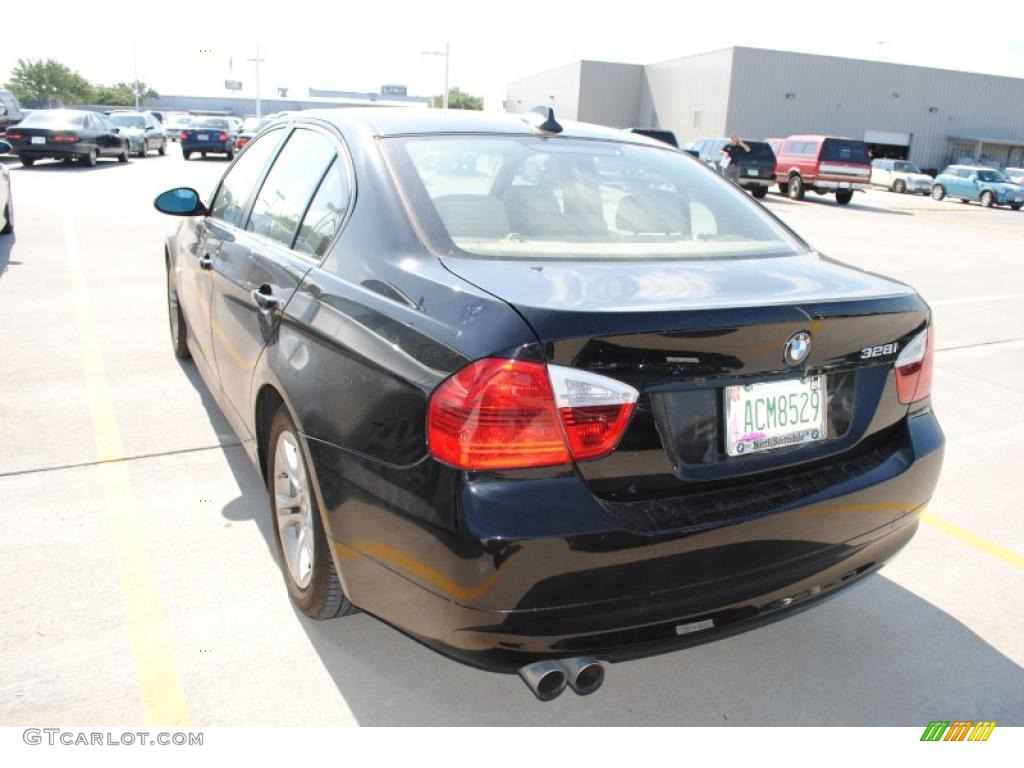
[[731, 153]]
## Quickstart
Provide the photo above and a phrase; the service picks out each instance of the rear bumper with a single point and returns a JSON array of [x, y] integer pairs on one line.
[[499, 602], [43, 153], [834, 186], [207, 146]]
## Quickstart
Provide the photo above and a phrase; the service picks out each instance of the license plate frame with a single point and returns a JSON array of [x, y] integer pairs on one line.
[[38, 140], [203, 137], [746, 433]]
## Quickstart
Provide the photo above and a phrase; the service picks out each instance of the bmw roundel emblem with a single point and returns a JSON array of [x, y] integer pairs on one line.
[[797, 348]]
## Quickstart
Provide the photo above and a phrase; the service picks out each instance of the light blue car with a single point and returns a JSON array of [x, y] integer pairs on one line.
[[975, 182]]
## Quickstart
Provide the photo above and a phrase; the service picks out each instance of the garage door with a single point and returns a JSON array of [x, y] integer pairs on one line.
[[887, 137]]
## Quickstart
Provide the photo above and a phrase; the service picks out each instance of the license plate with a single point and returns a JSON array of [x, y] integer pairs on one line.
[[774, 414], [38, 139], [753, 173], [203, 137]]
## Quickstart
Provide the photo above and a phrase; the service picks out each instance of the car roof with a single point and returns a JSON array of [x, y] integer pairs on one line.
[[816, 137], [406, 121]]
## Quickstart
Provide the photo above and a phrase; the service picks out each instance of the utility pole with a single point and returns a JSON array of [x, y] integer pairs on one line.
[[447, 57], [258, 61], [135, 73]]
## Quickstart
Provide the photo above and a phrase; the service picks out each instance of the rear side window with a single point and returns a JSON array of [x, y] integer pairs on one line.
[[845, 150], [326, 212], [290, 185], [229, 205]]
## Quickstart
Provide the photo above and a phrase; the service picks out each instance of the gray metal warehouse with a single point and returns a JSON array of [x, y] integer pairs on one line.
[[930, 116]]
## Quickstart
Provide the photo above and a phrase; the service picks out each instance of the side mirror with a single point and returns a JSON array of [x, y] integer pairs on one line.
[[5, 148], [117, 130], [181, 201]]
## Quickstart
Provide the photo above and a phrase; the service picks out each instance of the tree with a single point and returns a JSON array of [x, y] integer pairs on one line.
[[459, 100], [122, 94], [38, 83]]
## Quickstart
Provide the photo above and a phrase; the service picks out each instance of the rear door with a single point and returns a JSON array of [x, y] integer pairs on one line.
[[256, 270]]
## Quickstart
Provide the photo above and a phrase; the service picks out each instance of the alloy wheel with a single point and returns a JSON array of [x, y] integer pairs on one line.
[[293, 509]]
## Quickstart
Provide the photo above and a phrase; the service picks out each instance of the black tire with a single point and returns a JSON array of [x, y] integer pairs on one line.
[[176, 320], [163, 148], [231, 155], [28, 162], [844, 196], [9, 218], [322, 597], [987, 199], [202, 155], [900, 186], [783, 188], [125, 151], [796, 188], [759, 192], [1016, 206], [938, 192], [89, 160], [142, 148], [186, 155]]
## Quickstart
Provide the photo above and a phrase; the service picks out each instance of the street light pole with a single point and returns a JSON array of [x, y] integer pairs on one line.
[[447, 57], [258, 61]]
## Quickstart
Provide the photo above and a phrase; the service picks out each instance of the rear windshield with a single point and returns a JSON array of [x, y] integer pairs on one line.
[[254, 124], [54, 118], [534, 198], [760, 149], [209, 122], [128, 121], [845, 150]]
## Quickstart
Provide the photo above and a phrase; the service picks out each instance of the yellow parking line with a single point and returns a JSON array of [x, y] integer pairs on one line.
[[162, 695], [974, 540]]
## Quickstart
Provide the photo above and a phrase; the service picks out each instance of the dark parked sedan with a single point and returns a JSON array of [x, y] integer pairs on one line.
[[546, 396], [6, 199], [67, 134], [213, 135]]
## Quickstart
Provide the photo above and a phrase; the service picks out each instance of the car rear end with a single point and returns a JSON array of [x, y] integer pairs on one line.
[[51, 134], [692, 445], [213, 136], [757, 168], [844, 165]]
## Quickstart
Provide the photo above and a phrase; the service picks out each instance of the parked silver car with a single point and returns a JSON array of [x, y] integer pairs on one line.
[[900, 176]]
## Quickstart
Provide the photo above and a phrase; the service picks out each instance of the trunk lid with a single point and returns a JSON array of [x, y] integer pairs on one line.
[[682, 331]]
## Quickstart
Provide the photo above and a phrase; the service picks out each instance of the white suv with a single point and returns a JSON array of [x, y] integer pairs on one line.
[[900, 176]]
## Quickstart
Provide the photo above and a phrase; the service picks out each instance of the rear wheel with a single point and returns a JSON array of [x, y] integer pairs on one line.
[[231, 155], [142, 149], [1016, 206], [900, 186], [89, 160], [125, 151], [988, 199], [202, 155], [302, 547], [26, 161], [187, 155], [759, 192], [163, 147], [938, 192], [796, 188], [9, 219], [844, 196], [179, 330]]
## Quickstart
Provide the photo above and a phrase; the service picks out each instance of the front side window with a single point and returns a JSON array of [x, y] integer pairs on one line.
[[290, 185], [237, 186], [563, 198]]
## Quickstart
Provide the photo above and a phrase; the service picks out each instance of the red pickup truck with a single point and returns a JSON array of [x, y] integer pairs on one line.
[[822, 163]]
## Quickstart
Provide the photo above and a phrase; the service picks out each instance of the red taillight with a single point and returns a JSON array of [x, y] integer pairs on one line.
[[914, 368], [223, 136], [239, 143], [507, 414], [182, 135], [13, 135], [65, 138]]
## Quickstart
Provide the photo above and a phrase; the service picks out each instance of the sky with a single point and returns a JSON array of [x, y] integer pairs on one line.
[[359, 47]]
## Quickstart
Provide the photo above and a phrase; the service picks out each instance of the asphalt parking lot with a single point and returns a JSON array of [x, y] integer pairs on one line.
[[140, 580]]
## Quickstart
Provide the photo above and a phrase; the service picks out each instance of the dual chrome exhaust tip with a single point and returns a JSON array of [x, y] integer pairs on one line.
[[548, 678]]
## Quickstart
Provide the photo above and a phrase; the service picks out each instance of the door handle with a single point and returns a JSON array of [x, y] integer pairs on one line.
[[205, 261], [265, 299]]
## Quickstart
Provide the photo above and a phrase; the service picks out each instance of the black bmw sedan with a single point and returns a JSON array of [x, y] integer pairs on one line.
[[545, 396], [67, 134]]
